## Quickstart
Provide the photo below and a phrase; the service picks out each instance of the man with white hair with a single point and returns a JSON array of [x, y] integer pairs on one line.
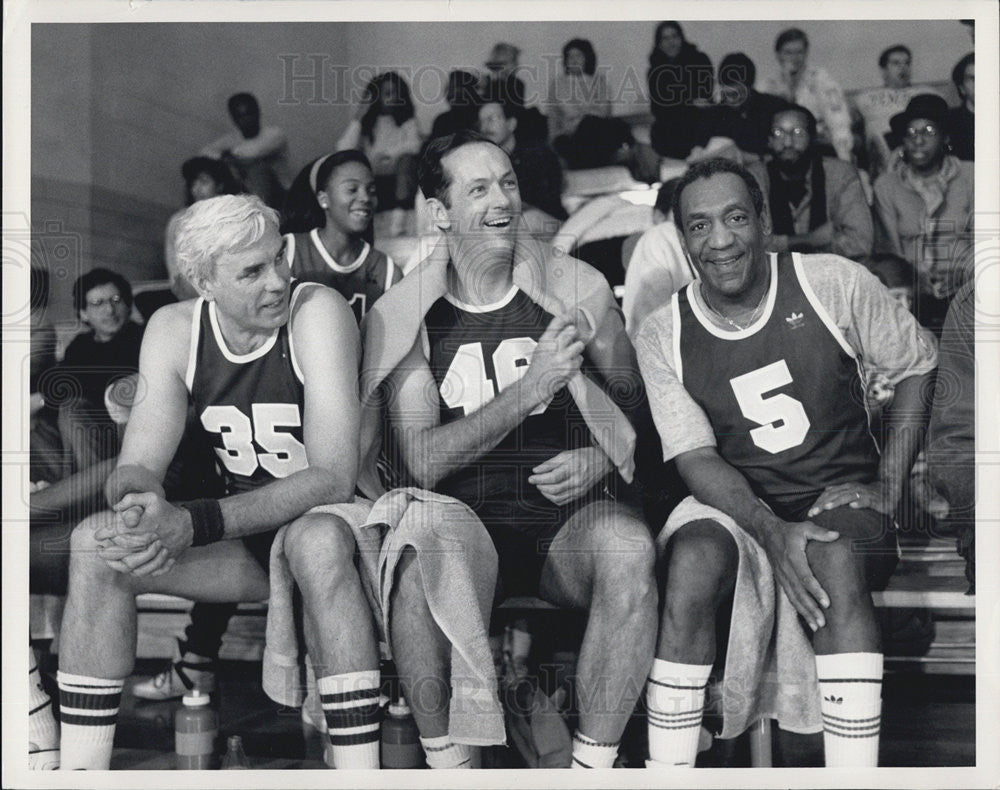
[[269, 367]]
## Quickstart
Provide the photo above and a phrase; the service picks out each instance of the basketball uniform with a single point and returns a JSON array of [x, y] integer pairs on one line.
[[360, 282], [785, 397], [250, 407], [474, 352]]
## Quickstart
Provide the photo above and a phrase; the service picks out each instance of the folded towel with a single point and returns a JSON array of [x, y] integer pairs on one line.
[[283, 671], [458, 565], [770, 667], [557, 283]]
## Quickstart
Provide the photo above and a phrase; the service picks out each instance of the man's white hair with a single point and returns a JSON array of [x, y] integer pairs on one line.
[[209, 228]]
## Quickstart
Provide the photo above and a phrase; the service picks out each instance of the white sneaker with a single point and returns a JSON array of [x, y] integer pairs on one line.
[[175, 681], [42, 759]]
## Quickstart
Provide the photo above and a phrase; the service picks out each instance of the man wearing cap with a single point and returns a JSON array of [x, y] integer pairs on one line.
[[816, 202], [878, 105], [924, 206]]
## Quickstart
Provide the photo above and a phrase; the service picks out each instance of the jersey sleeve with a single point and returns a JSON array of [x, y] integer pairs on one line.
[[881, 331], [681, 423]]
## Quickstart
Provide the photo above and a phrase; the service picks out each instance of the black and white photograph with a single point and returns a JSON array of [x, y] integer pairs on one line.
[[437, 386]]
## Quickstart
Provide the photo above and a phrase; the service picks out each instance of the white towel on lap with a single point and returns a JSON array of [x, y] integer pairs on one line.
[[770, 667]]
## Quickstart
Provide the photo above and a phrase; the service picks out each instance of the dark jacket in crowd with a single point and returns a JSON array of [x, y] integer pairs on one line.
[[674, 85]]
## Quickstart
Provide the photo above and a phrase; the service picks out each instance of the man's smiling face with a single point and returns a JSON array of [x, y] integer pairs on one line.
[[484, 202], [723, 234]]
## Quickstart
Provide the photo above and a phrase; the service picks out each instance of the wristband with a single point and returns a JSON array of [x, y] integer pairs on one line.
[[206, 520]]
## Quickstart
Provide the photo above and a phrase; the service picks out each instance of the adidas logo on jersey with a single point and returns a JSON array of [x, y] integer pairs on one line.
[[795, 320]]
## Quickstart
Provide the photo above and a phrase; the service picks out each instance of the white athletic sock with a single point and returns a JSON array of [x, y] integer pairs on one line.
[[88, 711], [442, 753], [850, 687], [588, 753], [350, 704], [43, 731], [675, 703]]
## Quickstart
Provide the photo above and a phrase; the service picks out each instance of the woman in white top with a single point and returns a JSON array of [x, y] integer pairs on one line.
[[385, 129], [579, 111]]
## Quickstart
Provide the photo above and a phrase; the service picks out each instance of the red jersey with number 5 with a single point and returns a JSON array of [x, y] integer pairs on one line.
[[250, 405], [785, 396]]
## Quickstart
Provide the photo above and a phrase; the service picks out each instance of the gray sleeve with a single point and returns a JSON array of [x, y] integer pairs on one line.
[[681, 423], [881, 331]]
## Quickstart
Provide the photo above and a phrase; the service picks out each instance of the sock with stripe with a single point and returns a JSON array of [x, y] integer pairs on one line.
[[88, 711], [588, 753], [351, 706], [442, 753], [43, 732], [675, 703], [850, 687]]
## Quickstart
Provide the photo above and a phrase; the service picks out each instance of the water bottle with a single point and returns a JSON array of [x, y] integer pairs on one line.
[[236, 758], [195, 729], [400, 738]]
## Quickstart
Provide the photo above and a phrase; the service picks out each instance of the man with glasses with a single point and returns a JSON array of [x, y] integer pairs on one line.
[[816, 203], [108, 351]]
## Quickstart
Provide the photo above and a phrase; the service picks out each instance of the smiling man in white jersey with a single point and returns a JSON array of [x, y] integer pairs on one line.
[[755, 378], [483, 410], [269, 366]]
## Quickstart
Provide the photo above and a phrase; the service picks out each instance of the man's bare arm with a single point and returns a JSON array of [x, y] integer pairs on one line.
[[432, 451]]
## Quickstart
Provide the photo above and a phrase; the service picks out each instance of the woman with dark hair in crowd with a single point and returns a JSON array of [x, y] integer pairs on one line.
[[462, 95], [327, 221], [962, 119], [204, 178], [575, 93], [385, 129], [924, 207], [680, 80]]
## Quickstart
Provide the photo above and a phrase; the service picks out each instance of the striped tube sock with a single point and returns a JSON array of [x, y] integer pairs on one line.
[[442, 753], [675, 703], [588, 753], [350, 703], [88, 711], [43, 732], [850, 687]]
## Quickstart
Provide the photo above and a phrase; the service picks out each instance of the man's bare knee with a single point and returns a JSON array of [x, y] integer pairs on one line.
[[319, 542], [702, 561], [625, 562]]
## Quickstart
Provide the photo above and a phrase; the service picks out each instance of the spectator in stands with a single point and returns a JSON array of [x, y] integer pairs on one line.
[[657, 267], [385, 129], [259, 155], [878, 105], [203, 178], [924, 207], [539, 174], [45, 448], [680, 80], [581, 128], [813, 88], [93, 359], [501, 79], [962, 119], [951, 441], [816, 202], [742, 115], [462, 96]]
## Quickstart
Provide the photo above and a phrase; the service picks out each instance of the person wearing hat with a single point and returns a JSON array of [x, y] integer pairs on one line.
[[204, 178], [924, 206]]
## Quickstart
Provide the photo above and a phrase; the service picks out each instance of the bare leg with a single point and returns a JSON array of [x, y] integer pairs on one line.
[[420, 649], [602, 560]]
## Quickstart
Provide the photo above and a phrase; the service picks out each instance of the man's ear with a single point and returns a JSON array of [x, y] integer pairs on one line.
[[439, 214], [203, 285], [765, 220], [512, 122]]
